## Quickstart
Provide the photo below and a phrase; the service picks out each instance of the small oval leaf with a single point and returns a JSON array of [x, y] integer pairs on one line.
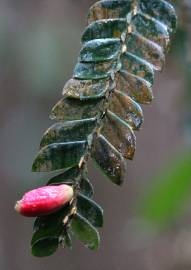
[[160, 10], [109, 9], [109, 160], [137, 66], [99, 50], [94, 71], [86, 89], [90, 210], [58, 156], [127, 109], [68, 109], [145, 49], [67, 177], [86, 187], [151, 29], [134, 86], [63, 132], [46, 247], [48, 222], [112, 28], [119, 134], [85, 232]]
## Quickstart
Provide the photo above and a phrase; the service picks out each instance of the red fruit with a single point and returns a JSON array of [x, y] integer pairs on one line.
[[44, 200]]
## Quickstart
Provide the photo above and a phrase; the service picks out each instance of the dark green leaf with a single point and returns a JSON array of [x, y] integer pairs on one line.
[[151, 29], [137, 66], [86, 187], [160, 10], [127, 109], [58, 156], [45, 233], [67, 177], [94, 71], [90, 210], [113, 28], [86, 89], [48, 222], [45, 247], [109, 160], [68, 109], [85, 232], [63, 132], [119, 134], [134, 86], [99, 50]]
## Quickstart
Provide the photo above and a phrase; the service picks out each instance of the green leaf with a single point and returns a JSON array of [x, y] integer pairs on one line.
[[113, 28], [160, 10], [45, 233], [94, 71], [58, 156], [109, 160], [145, 49], [119, 134], [86, 89], [109, 9], [134, 86], [90, 210], [67, 177], [68, 109], [137, 66], [151, 29], [127, 109], [85, 232], [46, 247], [86, 187], [48, 222], [63, 132], [99, 50]]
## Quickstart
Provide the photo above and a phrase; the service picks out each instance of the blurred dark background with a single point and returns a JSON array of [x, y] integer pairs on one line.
[[148, 220]]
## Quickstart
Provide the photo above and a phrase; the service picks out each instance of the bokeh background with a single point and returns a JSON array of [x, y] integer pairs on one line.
[[148, 220]]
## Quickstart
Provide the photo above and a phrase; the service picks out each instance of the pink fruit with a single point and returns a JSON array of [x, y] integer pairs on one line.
[[44, 200]]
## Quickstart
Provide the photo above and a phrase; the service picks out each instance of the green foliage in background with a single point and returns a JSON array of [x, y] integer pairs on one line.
[[169, 193]]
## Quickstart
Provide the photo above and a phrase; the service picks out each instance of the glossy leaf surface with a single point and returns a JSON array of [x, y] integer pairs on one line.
[[85, 232], [112, 28], [58, 156], [137, 66], [86, 89], [109, 9], [126, 109], [67, 177], [119, 134], [69, 131], [134, 86], [68, 109], [45, 247], [94, 71], [90, 210], [99, 50], [109, 160]]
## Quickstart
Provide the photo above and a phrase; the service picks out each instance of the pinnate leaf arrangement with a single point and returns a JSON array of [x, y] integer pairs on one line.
[[124, 43]]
